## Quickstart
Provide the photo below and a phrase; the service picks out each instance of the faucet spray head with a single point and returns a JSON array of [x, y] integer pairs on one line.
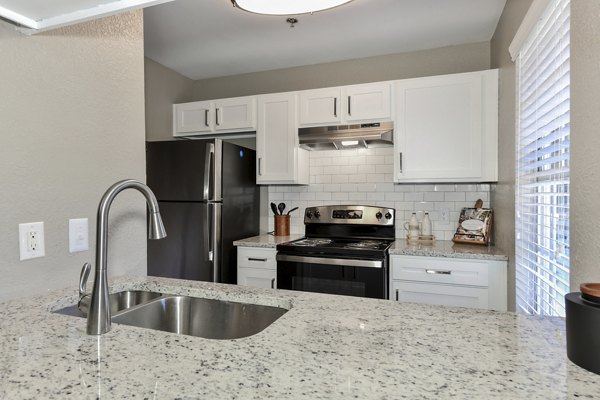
[[156, 229]]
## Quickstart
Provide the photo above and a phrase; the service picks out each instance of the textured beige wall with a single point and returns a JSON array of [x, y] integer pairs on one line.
[[585, 142], [72, 123], [164, 87], [446, 60], [503, 197]]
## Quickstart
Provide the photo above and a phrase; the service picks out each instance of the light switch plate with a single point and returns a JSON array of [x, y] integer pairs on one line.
[[445, 215], [31, 240], [78, 235]]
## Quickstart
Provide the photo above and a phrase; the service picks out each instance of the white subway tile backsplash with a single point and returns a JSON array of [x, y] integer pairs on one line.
[[364, 176], [454, 196]]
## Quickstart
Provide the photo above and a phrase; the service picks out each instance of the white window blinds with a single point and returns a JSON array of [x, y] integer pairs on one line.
[[542, 192]]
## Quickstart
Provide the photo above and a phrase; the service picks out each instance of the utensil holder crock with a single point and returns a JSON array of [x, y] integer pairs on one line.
[[282, 225]]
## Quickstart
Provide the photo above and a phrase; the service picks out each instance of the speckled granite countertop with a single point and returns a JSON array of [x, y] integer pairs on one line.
[[447, 248], [325, 347], [265, 241], [439, 248]]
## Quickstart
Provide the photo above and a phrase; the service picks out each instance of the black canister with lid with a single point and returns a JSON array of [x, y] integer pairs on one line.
[[583, 330]]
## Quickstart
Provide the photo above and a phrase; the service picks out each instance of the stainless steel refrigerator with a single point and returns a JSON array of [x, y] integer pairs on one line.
[[208, 198]]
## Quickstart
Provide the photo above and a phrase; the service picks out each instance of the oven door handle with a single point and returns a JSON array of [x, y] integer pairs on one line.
[[344, 262]]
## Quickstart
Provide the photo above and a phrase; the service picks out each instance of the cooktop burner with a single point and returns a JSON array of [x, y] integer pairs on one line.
[[311, 242], [341, 247]]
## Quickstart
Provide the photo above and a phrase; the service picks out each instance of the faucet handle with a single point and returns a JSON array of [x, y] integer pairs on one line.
[[83, 277]]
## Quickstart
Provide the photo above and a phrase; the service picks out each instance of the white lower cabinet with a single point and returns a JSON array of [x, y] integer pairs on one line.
[[449, 282], [257, 267]]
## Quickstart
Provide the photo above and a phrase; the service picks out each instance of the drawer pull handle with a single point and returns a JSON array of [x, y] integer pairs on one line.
[[437, 272], [257, 259], [397, 294], [273, 283]]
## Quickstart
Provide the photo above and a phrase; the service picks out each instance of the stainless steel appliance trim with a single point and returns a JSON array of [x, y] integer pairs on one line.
[[369, 215], [343, 262], [257, 259], [329, 137], [217, 174], [216, 240], [210, 151], [438, 272]]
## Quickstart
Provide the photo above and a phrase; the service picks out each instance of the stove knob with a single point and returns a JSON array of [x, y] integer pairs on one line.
[[309, 214], [317, 214], [378, 215], [388, 215]]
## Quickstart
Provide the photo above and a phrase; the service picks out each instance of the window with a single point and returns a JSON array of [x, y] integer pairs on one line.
[[542, 170]]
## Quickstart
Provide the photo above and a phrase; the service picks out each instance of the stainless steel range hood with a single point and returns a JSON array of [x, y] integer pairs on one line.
[[377, 134]]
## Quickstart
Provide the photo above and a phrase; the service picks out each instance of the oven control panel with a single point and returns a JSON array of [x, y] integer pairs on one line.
[[355, 215]]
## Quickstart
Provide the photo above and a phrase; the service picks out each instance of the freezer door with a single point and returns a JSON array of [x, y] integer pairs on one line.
[[186, 251], [181, 170]]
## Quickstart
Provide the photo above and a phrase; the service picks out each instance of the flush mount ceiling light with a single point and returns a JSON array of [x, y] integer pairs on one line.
[[286, 7]]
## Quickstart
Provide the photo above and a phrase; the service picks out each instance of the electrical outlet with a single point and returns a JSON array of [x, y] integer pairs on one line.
[[78, 235], [445, 215], [31, 240]]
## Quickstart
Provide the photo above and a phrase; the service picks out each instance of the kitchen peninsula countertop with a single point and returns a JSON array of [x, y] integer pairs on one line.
[[325, 347], [439, 248]]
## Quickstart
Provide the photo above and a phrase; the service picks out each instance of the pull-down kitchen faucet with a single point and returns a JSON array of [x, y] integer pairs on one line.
[[98, 321]]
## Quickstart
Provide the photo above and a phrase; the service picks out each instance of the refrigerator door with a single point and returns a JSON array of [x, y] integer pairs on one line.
[[241, 205], [186, 251], [182, 170]]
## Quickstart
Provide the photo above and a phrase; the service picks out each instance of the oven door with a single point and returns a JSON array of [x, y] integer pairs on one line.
[[361, 278]]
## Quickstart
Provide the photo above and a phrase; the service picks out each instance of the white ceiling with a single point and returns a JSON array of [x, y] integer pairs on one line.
[[209, 38], [41, 15]]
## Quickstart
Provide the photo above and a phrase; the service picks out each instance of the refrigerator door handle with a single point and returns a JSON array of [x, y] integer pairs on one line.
[[210, 153], [215, 240]]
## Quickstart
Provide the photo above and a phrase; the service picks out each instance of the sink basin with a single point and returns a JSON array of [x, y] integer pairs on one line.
[[207, 318], [118, 302]]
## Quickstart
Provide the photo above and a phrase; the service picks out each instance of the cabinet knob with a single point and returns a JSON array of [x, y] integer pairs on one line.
[[378, 215]]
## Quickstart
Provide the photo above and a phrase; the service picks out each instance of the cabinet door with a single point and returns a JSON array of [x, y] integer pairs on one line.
[[320, 107], [235, 114], [192, 117], [367, 102], [445, 129], [276, 138], [255, 277], [443, 295]]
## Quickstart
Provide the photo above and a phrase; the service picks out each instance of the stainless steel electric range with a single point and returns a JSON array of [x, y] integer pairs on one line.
[[345, 252]]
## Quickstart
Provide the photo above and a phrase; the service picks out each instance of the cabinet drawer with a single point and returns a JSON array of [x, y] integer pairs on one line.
[[441, 270], [257, 258], [256, 277], [444, 295]]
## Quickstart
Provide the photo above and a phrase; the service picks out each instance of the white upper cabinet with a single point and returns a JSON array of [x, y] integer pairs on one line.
[[446, 128], [215, 116], [278, 157], [192, 117], [348, 104], [236, 113], [363, 103], [320, 106]]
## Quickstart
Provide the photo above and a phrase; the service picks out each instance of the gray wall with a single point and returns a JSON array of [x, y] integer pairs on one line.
[[446, 60], [585, 142], [503, 197], [72, 112], [164, 87]]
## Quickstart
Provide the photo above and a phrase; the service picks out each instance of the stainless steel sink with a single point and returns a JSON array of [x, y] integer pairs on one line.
[[207, 318], [118, 302]]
